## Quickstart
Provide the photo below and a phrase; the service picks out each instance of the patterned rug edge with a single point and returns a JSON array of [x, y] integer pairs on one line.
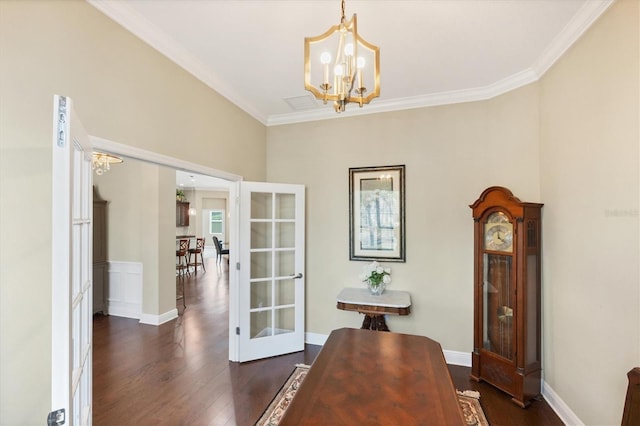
[[469, 401], [471, 408], [276, 408]]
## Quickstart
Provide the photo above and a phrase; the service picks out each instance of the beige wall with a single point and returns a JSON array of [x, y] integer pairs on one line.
[[569, 141], [165, 249], [123, 91], [589, 149], [452, 153], [141, 223], [547, 142]]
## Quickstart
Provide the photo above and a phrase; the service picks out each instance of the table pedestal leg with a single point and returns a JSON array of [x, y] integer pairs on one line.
[[374, 322], [366, 322]]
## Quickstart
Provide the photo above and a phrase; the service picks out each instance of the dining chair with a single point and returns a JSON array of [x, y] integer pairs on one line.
[[181, 254], [219, 250], [197, 250], [631, 413]]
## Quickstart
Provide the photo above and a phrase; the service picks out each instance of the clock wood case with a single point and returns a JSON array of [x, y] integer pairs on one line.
[[507, 297]]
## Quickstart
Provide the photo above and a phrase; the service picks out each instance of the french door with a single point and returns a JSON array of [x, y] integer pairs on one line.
[[71, 311], [271, 270]]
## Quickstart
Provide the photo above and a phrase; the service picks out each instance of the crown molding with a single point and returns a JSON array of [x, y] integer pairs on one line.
[[585, 17], [581, 21], [400, 104], [128, 18]]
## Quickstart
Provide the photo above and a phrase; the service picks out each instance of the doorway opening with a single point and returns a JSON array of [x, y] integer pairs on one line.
[[129, 152]]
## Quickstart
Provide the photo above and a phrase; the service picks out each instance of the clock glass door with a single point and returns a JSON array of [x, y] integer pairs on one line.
[[498, 305]]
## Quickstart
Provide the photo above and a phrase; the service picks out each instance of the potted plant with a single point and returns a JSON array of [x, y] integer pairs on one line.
[[376, 277]]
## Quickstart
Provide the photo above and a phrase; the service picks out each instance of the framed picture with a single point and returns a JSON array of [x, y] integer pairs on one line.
[[376, 213]]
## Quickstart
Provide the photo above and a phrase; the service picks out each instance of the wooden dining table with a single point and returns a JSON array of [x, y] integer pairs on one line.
[[363, 377]]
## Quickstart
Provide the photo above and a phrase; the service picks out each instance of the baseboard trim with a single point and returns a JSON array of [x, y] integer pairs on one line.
[[457, 358], [159, 319], [315, 339], [556, 403], [122, 310]]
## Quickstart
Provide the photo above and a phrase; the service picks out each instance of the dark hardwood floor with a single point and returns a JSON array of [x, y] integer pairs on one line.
[[497, 405], [178, 373]]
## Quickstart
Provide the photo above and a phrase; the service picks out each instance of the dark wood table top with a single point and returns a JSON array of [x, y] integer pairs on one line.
[[364, 377]]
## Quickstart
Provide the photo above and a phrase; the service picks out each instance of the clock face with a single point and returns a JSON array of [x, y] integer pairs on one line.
[[498, 233]]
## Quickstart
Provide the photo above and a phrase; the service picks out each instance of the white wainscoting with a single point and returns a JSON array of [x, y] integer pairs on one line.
[[124, 292]]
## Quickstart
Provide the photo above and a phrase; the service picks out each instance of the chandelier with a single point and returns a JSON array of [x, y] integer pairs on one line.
[[342, 78], [101, 162]]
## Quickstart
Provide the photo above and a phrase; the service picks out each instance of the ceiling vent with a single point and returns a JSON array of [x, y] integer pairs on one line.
[[302, 103]]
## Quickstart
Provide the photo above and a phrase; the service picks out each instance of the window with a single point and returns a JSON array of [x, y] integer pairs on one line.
[[216, 222]]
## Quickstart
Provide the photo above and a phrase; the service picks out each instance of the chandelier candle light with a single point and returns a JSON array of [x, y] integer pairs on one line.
[[376, 277], [341, 78]]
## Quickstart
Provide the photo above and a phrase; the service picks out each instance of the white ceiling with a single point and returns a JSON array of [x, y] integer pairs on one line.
[[188, 180], [433, 52]]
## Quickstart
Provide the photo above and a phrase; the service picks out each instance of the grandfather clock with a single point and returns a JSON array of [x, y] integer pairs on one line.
[[506, 330]]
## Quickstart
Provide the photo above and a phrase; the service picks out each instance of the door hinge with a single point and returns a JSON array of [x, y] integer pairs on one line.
[[237, 266], [238, 331], [56, 417], [62, 110]]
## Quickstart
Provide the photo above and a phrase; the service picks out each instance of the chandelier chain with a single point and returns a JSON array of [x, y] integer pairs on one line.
[[342, 18]]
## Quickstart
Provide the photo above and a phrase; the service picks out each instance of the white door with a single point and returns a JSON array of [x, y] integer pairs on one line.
[[271, 275], [71, 311]]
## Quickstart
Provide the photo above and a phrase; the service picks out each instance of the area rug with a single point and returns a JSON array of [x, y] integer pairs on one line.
[[280, 402], [469, 401], [471, 409]]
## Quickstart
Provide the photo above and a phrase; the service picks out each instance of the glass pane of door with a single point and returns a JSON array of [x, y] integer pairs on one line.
[[272, 263]]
